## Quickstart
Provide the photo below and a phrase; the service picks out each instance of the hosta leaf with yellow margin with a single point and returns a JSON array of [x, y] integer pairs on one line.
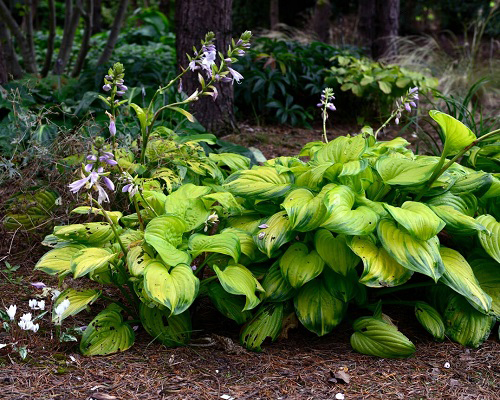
[[78, 300], [236, 279], [353, 167], [342, 287], [137, 258], [299, 266], [225, 199], [456, 222], [487, 272], [342, 218], [259, 183], [107, 333], [277, 233], [430, 319], [85, 210], [186, 203], [306, 211], [342, 150], [247, 245], [477, 182], [175, 290], [131, 238], [490, 240], [226, 243], [458, 275], [375, 337], [248, 222], [418, 219], [335, 251], [317, 309], [164, 234], [235, 162], [58, 260], [169, 330], [314, 175], [90, 233], [494, 189], [457, 135], [276, 286], [416, 255], [311, 148], [380, 269], [266, 323], [466, 203], [228, 304], [90, 259], [403, 171]]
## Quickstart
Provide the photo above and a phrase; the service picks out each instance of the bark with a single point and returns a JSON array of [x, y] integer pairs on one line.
[[70, 28], [164, 7], [366, 22], [321, 20], [193, 20], [387, 28], [8, 56], [85, 46], [25, 47], [274, 13], [4, 74], [97, 17], [115, 30], [50, 39]]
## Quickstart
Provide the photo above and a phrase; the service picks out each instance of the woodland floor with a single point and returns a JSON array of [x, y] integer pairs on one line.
[[302, 366]]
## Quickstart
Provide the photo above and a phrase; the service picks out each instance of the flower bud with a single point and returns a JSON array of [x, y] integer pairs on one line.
[[106, 87], [123, 88], [120, 93], [112, 128]]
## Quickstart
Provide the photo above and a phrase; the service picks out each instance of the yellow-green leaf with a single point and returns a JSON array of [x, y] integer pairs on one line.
[[78, 300], [299, 266], [169, 330], [228, 304], [226, 243], [457, 135], [335, 251], [277, 233], [58, 260], [487, 272], [259, 183], [456, 222], [90, 259], [276, 287], [403, 171], [490, 240], [85, 210], [306, 211], [266, 323], [159, 285], [91, 233], [430, 319]]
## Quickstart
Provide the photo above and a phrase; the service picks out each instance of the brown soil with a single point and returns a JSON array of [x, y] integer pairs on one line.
[[300, 367]]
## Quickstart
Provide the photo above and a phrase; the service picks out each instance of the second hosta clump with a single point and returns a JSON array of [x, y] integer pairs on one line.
[[359, 220]]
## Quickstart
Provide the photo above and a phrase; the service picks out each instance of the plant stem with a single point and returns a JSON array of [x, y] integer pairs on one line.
[[386, 123], [139, 216], [112, 227]]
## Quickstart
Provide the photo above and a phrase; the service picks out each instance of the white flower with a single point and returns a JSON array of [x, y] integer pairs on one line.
[[447, 365], [339, 396], [262, 235], [25, 322], [62, 307], [35, 327], [37, 305], [2, 346], [55, 294], [41, 305], [33, 304], [11, 312], [236, 75]]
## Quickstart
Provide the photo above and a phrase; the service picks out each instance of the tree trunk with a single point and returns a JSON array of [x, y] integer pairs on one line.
[[274, 13], [85, 46], [50, 39], [193, 20], [115, 30], [13, 69], [366, 22], [387, 29], [97, 17], [68, 38], [321, 20], [164, 7], [25, 47], [4, 72]]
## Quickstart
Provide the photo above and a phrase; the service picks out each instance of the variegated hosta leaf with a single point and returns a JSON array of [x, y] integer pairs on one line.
[[259, 183], [277, 233], [164, 234], [235, 162], [457, 135], [176, 289], [85, 210], [342, 287], [494, 190], [490, 240], [155, 198], [299, 266], [131, 238], [416, 255], [247, 222], [171, 179], [228, 304], [466, 203], [236, 279], [487, 272], [418, 219], [458, 275], [313, 176], [456, 222], [342, 150], [107, 333], [342, 218], [317, 309], [225, 199], [380, 269], [306, 211], [137, 259], [403, 171], [335, 252], [58, 260], [90, 259], [353, 167], [430, 319], [276, 286], [247, 245], [226, 243], [91, 233], [266, 323], [78, 300], [477, 182], [169, 330], [311, 148], [375, 337], [186, 203]]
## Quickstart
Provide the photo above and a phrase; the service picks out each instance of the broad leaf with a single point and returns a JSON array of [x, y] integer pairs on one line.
[[342, 287], [299, 266], [90, 259], [235, 162], [305, 210], [226, 243], [91, 233], [276, 287], [457, 135], [342, 150], [247, 245], [228, 304], [225, 199], [85, 210], [416, 255], [169, 330], [335, 252], [490, 240], [78, 300], [137, 259], [430, 319], [58, 260], [488, 276], [186, 203], [277, 233], [403, 171], [266, 323], [456, 222]]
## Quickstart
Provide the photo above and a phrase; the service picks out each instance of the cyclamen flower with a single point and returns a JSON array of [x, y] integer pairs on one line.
[[25, 322], [37, 305], [38, 285], [59, 310], [11, 312]]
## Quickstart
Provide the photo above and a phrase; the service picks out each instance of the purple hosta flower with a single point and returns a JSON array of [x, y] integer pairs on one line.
[[214, 93], [120, 93], [119, 81], [130, 187], [106, 87], [108, 77], [193, 66], [108, 158], [208, 58], [193, 267], [263, 226], [326, 101], [91, 158], [235, 74], [123, 88], [90, 181], [38, 285]]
